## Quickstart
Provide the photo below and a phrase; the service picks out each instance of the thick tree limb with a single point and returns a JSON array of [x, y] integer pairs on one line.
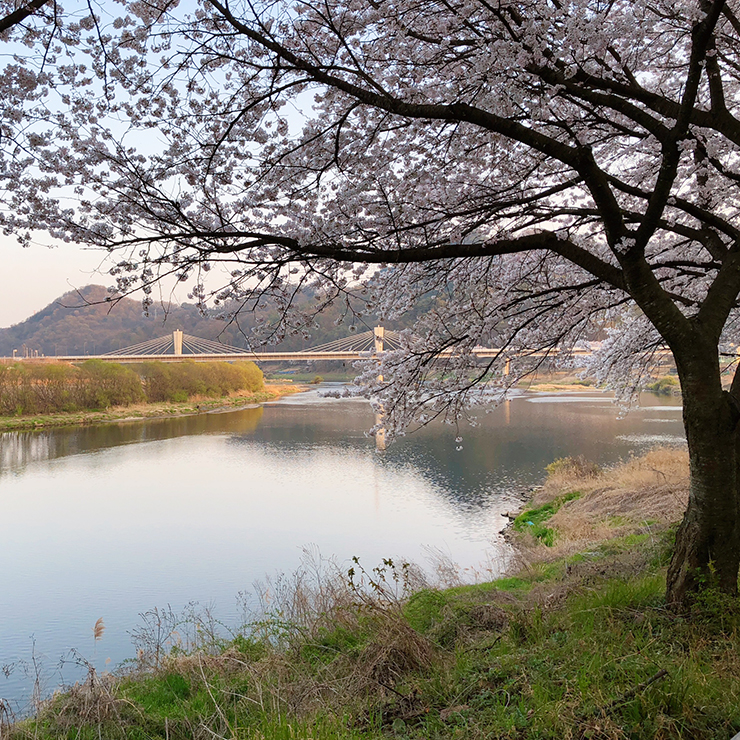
[[19, 15]]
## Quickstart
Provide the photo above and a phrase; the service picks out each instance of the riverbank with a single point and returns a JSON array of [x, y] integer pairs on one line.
[[160, 410], [575, 644]]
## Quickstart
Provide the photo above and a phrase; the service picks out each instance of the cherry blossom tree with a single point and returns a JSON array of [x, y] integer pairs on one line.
[[543, 169]]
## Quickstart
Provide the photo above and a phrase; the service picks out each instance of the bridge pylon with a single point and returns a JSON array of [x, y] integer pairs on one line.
[[177, 342], [379, 336]]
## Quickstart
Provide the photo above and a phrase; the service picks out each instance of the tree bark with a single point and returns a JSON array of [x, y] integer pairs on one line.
[[707, 549]]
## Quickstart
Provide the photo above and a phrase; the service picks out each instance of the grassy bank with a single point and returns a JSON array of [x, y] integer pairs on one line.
[[329, 376], [557, 381], [575, 644], [34, 388], [158, 410]]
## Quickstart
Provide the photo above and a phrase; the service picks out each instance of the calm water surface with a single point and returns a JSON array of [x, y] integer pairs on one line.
[[110, 521]]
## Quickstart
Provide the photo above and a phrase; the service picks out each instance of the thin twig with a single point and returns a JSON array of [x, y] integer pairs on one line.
[[662, 673], [213, 699]]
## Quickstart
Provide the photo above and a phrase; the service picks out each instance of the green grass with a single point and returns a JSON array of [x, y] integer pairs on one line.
[[532, 520], [579, 648]]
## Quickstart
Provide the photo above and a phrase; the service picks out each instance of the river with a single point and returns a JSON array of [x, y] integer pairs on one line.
[[112, 520]]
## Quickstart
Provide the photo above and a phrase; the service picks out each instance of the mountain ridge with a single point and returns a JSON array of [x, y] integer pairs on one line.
[[89, 321]]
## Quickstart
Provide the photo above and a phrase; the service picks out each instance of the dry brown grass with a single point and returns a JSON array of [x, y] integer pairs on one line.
[[296, 658], [270, 392], [149, 411], [92, 701], [646, 491]]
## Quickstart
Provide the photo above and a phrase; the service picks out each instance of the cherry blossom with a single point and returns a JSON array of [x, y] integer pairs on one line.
[[540, 173]]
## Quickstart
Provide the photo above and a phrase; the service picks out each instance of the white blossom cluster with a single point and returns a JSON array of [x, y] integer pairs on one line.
[[540, 174]]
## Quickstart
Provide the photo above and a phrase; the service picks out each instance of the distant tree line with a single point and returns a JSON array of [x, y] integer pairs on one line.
[[41, 388]]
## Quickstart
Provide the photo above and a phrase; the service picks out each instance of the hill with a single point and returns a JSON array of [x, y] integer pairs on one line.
[[81, 322]]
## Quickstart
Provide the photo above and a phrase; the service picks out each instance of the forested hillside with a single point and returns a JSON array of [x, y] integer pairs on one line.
[[82, 323]]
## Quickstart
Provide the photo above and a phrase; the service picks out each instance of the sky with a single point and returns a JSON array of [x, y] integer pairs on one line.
[[32, 277]]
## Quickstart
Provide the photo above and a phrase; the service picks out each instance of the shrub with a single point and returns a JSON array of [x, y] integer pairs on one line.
[[36, 388], [42, 388], [664, 386], [573, 467], [109, 384], [183, 380]]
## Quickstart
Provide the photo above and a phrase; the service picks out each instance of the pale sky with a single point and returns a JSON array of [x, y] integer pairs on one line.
[[33, 277]]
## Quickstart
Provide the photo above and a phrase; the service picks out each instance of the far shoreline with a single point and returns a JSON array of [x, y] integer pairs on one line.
[[272, 391]]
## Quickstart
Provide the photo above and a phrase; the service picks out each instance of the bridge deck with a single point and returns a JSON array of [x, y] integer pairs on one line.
[[181, 347], [211, 357], [482, 353]]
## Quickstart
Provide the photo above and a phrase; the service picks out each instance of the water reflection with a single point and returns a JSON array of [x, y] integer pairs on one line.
[[112, 520], [19, 449], [529, 437]]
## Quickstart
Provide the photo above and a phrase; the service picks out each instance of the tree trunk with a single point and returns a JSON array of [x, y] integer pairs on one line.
[[707, 549]]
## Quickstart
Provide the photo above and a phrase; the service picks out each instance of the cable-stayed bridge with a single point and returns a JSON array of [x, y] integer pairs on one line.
[[178, 347]]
